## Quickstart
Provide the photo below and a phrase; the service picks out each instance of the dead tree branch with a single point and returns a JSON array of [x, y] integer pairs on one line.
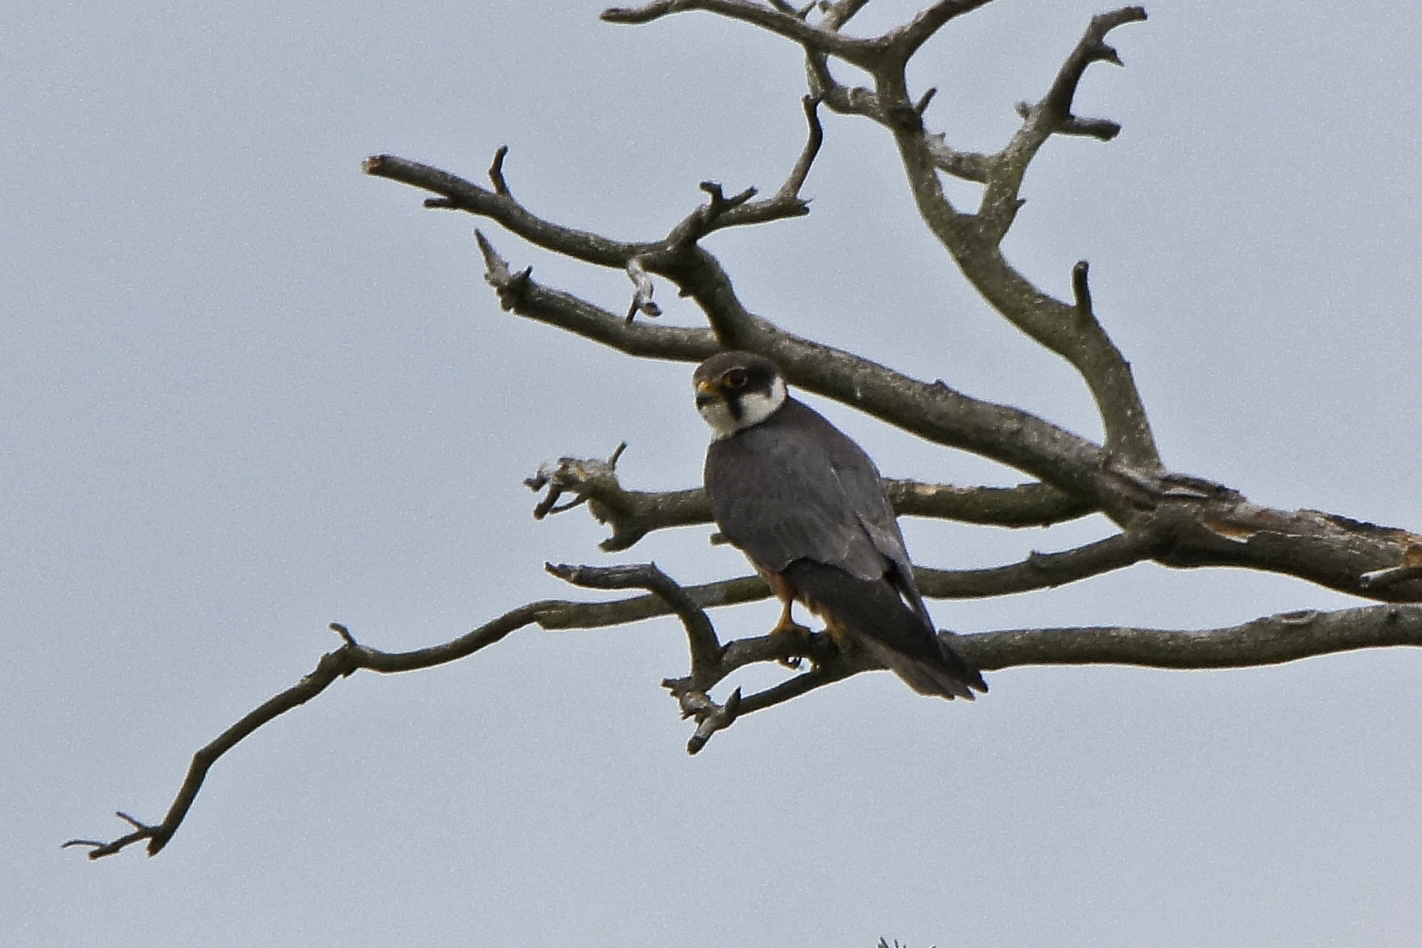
[[341, 663], [518, 292], [632, 514], [973, 239], [1270, 640], [1041, 570], [1264, 641], [1123, 478], [1213, 526], [792, 27], [974, 242], [1164, 517]]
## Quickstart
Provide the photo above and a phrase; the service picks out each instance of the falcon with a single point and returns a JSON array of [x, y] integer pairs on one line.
[[806, 506]]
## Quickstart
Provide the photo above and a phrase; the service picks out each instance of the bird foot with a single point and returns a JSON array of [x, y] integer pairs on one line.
[[795, 640]]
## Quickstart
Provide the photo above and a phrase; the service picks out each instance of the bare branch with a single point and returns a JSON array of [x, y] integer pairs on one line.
[[700, 633], [857, 100], [1327, 549], [790, 190], [934, 411], [931, 410], [677, 257], [789, 25], [786, 8], [711, 716], [1081, 290], [1174, 520], [967, 165], [1097, 128], [1026, 505], [906, 40], [739, 210], [99, 848], [1050, 116], [1409, 568], [341, 663], [1091, 49], [1207, 527], [924, 100], [1193, 532], [973, 241], [846, 100], [633, 514], [836, 15], [456, 193], [521, 294], [560, 615], [942, 415], [496, 171], [1168, 518], [1264, 641], [710, 663], [1267, 641], [1107, 373], [698, 274], [1040, 570], [708, 217]]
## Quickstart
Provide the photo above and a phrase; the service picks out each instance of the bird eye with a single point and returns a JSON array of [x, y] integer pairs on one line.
[[736, 378]]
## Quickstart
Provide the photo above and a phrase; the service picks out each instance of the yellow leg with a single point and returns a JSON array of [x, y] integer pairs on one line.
[[787, 624], [798, 635]]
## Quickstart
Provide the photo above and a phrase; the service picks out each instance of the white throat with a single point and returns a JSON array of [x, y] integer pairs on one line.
[[755, 408]]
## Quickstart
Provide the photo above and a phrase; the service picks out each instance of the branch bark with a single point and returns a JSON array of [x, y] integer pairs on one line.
[[1270, 640], [857, 51], [1264, 641], [632, 514]]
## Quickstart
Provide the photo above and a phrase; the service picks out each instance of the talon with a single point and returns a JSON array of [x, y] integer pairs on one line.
[[798, 638]]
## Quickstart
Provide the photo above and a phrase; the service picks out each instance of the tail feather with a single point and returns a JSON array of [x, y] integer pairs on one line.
[[953, 678], [872, 614]]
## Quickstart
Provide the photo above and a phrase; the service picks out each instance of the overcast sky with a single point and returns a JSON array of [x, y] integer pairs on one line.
[[246, 391]]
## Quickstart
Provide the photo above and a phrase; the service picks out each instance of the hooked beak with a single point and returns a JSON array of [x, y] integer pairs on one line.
[[706, 393]]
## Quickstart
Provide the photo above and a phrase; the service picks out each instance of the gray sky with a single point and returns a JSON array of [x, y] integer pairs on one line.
[[246, 391]]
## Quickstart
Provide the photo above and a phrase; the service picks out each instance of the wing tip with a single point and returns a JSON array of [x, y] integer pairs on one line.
[[954, 678], [949, 677], [944, 683]]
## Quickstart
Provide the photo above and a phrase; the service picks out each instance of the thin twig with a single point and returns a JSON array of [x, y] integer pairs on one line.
[[496, 171], [340, 663], [1081, 290], [790, 190]]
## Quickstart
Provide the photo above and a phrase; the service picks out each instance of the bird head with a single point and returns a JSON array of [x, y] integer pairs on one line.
[[735, 390]]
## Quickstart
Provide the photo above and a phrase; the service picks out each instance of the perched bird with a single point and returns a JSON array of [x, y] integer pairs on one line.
[[806, 506]]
